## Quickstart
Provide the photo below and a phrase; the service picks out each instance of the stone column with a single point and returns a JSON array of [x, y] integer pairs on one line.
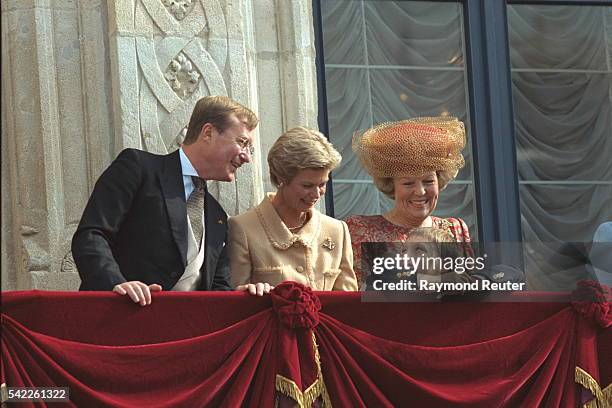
[[55, 133], [283, 52]]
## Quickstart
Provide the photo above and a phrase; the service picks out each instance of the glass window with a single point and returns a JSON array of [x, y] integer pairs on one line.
[[561, 58], [387, 61]]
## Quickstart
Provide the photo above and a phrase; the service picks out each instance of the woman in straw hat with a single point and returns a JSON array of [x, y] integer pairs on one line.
[[285, 237], [410, 161]]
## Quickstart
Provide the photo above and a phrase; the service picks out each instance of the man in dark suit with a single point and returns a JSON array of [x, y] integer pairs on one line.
[[150, 224]]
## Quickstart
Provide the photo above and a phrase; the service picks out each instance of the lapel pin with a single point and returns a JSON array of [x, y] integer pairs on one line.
[[498, 276], [219, 221], [329, 244]]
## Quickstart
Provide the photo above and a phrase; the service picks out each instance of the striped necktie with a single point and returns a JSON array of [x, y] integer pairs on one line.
[[195, 209]]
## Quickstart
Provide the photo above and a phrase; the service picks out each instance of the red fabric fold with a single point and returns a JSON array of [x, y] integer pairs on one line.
[[591, 301], [212, 370], [517, 370], [212, 349]]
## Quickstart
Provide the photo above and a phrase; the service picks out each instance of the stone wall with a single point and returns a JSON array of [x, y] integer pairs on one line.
[[83, 79]]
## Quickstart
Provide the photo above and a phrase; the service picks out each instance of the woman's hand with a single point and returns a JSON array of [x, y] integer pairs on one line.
[[256, 289]]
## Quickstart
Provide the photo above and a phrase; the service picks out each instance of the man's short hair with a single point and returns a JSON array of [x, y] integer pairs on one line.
[[217, 110]]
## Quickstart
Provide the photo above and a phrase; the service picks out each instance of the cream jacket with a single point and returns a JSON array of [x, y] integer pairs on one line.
[[262, 249]]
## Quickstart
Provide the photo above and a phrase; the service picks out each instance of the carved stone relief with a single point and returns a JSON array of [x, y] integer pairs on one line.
[[177, 65], [182, 77], [68, 265], [179, 8]]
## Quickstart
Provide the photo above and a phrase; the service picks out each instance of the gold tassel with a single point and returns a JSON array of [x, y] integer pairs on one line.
[[603, 399], [317, 389]]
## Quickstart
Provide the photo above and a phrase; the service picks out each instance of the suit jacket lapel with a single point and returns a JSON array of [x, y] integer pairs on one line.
[[214, 224], [174, 195]]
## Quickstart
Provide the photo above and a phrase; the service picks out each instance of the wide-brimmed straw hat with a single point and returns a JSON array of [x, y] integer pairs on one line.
[[412, 147]]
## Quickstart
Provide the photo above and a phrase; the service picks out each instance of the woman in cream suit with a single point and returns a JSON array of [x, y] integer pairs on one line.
[[285, 237]]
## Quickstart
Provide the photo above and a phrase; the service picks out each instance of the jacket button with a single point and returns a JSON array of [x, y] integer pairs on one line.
[[173, 274], [300, 269]]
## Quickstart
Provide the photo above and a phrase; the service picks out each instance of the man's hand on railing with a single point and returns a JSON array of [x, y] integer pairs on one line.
[[137, 291]]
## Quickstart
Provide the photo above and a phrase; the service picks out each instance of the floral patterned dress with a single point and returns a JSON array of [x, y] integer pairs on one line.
[[376, 228]]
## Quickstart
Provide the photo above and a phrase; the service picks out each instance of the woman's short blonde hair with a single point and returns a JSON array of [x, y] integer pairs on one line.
[[298, 149], [385, 184]]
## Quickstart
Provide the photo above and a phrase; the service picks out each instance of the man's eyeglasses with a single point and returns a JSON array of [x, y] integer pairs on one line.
[[245, 145]]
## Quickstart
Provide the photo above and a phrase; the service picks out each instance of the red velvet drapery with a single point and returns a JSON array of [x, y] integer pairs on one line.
[[229, 349]]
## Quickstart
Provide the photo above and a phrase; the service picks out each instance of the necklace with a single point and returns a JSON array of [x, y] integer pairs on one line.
[[298, 226], [402, 222]]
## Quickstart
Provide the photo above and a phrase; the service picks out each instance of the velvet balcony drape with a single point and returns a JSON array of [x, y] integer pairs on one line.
[[231, 349]]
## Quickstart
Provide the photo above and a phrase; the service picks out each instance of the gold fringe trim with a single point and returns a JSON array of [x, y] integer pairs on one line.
[[607, 397], [289, 388], [603, 398], [583, 378], [317, 389], [326, 400]]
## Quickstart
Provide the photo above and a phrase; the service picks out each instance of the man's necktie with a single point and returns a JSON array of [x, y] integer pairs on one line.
[[195, 208]]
